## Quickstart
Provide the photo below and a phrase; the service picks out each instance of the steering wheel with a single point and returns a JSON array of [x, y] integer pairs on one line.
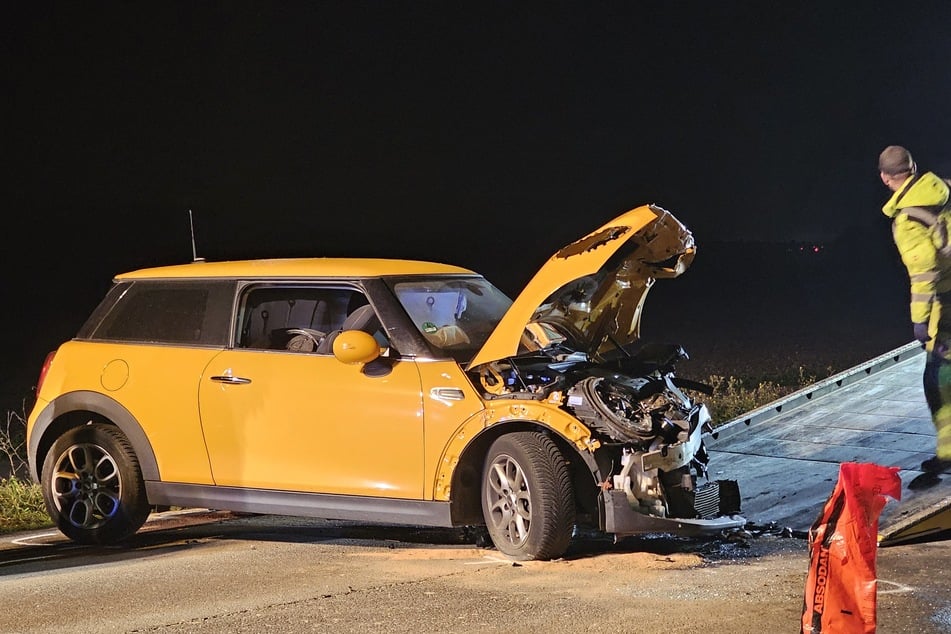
[[304, 339]]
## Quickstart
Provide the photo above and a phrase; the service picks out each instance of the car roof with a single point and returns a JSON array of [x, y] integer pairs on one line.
[[297, 268]]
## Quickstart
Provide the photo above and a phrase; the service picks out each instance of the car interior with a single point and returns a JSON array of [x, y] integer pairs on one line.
[[302, 319]]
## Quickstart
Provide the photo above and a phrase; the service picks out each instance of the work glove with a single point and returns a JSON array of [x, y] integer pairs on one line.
[[921, 332]]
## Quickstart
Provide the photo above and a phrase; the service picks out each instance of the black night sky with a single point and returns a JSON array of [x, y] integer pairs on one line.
[[486, 134]]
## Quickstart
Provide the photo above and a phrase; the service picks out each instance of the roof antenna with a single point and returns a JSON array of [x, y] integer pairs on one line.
[[191, 225]]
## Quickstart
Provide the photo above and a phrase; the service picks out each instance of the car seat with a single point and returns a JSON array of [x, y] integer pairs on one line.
[[363, 318]]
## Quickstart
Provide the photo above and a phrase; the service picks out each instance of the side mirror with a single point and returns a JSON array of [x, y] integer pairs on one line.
[[355, 346]]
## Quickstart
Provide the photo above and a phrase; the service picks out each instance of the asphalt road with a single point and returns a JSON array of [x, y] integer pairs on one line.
[[214, 572]]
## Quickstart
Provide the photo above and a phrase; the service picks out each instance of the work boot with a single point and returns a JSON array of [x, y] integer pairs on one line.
[[934, 464]]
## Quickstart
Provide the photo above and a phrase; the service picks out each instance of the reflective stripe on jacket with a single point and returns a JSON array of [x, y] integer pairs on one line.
[[922, 240]]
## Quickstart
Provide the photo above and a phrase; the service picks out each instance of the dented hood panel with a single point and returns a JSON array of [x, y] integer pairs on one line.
[[598, 283]]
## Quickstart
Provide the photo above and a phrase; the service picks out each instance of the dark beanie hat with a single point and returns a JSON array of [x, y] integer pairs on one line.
[[895, 161]]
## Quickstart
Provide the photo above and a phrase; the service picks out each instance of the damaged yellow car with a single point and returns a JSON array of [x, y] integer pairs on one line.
[[390, 391]]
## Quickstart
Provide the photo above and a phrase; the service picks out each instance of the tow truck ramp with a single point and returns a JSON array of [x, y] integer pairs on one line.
[[786, 455]]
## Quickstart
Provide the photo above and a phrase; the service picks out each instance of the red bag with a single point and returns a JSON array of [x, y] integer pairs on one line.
[[841, 585]]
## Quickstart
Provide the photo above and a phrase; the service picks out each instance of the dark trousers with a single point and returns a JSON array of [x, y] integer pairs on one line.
[[932, 388]]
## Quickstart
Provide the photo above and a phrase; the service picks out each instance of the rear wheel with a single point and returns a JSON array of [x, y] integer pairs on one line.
[[93, 486], [527, 498]]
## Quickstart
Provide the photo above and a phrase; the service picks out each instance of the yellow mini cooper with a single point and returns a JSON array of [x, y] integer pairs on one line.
[[389, 391]]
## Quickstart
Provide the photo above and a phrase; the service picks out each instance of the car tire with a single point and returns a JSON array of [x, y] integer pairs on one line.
[[527, 498], [93, 486]]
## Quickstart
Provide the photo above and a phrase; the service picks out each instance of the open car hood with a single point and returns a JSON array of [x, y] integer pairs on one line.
[[595, 287]]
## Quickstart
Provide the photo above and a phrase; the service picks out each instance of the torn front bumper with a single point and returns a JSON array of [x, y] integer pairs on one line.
[[717, 506]]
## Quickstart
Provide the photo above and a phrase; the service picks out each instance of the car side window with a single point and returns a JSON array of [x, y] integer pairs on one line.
[[294, 318], [166, 312]]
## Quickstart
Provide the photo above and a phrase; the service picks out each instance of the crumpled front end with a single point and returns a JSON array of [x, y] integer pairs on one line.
[[656, 462], [662, 487], [573, 338], [651, 471], [651, 474]]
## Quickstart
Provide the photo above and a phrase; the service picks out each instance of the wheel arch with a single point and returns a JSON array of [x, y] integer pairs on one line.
[[465, 501], [75, 409]]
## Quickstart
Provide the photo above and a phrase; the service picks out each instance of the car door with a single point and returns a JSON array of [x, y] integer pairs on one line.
[[302, 421]]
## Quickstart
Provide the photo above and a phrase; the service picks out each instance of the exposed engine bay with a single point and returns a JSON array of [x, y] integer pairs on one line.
[[648, 426], [581, 350]]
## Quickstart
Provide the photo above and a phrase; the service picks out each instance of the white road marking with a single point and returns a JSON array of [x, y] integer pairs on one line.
[[898, 588], [27, 541]]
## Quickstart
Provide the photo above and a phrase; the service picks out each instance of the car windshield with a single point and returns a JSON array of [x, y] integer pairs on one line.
[[457, 314]]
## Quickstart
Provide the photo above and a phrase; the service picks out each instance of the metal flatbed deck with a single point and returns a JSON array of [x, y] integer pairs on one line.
[[786, 455]]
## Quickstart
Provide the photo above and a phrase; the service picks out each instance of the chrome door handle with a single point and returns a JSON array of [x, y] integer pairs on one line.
[[227, 378]]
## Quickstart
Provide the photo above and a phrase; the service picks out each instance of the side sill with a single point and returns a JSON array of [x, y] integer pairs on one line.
[[322, 505]]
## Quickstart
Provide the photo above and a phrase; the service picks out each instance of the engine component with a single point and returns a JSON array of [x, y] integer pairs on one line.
[[629, 413]]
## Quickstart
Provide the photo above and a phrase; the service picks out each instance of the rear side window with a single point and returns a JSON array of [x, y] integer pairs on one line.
[[164, 312]]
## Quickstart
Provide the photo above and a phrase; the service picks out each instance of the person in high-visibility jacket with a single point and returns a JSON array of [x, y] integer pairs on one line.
[[921, 220]]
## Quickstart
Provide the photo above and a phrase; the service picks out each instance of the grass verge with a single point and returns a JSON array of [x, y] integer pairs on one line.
[[21, 506], [21, 500], [733, 396]]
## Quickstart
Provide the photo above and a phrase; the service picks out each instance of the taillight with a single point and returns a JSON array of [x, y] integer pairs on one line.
[[46, 366]]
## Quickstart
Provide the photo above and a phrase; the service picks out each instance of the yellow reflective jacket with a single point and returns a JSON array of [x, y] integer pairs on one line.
[[920, 226]]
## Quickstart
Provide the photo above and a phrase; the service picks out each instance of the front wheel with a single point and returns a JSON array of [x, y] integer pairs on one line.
[[527, 497], [93, 486]]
